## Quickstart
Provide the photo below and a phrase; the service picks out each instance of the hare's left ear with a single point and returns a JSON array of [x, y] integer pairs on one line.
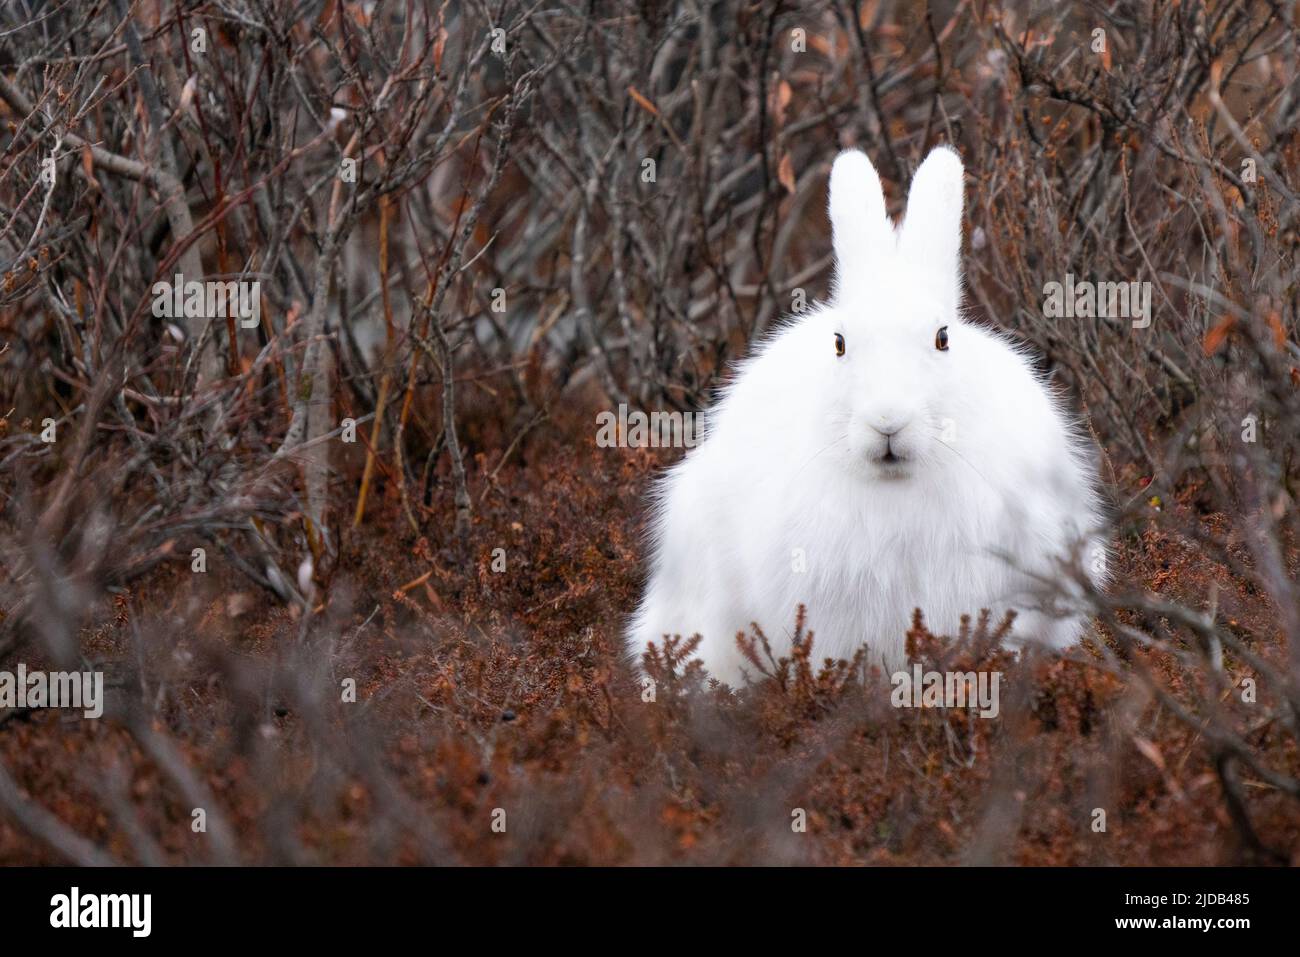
[[930, 236]]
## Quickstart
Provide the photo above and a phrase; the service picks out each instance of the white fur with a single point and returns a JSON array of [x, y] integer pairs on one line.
[[995, 487]]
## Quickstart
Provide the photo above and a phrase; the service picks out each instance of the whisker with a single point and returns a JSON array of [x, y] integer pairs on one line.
[[983, 477], [817, 454]]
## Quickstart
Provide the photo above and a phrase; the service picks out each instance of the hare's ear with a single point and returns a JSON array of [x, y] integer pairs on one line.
[[861, 228], [930, 237]]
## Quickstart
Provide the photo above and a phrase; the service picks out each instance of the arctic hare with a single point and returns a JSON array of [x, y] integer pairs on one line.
[[875, 455]]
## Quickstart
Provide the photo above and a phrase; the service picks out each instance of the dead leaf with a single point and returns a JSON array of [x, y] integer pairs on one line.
[[88, 163], [645, 104], [1215, 338], [785, 173], [1149, 751]]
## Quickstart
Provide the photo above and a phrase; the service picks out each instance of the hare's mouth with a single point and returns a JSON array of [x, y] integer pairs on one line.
[[891, 456], [891, 465], [887, 459]]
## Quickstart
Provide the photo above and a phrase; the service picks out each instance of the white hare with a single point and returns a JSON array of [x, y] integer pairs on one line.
[[875, 455]]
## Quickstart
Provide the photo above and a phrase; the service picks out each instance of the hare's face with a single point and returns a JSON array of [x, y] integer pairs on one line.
[[891, 377], [895, 311]]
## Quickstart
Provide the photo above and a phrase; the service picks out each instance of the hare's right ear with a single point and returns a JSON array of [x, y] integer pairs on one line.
[[931, 232], [862, 232]]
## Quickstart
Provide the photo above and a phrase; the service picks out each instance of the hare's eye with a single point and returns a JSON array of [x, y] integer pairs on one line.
[[839, 344], [941, 339]]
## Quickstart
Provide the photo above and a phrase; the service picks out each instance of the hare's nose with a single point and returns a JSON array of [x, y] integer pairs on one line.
[[890, 425]]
